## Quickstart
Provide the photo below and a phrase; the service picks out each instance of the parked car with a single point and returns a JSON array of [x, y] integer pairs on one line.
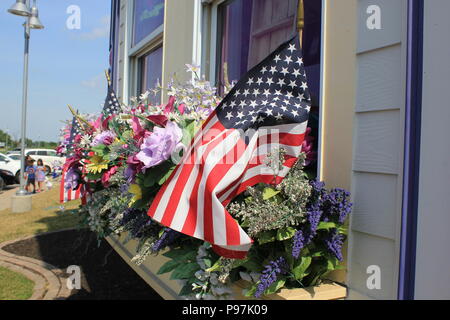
[[49, 157], [14, 156], [6, 178], [13, 152], [7, 163]]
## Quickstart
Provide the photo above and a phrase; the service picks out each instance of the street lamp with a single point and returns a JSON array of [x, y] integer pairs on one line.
[[22, 8]]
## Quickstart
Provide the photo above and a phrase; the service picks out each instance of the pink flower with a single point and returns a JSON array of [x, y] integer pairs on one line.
[[105, 137], [108, 174]]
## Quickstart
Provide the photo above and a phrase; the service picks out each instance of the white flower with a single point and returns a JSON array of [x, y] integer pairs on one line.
[[245, 276], [255, 276]]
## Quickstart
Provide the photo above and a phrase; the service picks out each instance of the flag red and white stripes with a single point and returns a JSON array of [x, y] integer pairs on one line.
[[264, 112]]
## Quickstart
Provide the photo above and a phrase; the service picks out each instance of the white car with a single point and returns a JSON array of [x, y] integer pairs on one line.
[[6, 163], [49, 157]]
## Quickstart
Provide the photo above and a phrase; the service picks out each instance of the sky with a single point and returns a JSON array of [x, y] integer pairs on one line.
[[66, 66]]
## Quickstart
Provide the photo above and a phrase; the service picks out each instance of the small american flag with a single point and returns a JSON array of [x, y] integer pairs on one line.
[[66, 195], [268, 109], [112, 105]]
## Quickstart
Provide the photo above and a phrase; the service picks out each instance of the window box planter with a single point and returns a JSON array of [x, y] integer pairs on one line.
[[168, 289]]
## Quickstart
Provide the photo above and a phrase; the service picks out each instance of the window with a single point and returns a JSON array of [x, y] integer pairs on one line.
[[150, 70], [145, 47], [148, 15], [31, 153], [248, 30], [42, 153], [51, 153], [2, 158]]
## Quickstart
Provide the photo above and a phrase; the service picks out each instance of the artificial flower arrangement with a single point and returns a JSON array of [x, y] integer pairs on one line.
[[297, 226]]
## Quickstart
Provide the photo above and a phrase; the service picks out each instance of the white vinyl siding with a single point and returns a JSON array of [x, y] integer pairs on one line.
[[378, 150]]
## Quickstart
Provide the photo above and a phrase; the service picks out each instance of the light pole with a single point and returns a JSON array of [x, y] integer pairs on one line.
[[22, 8]]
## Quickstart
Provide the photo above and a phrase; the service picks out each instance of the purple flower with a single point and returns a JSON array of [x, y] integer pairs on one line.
[[313, 216], [298, 244], [334, 245], [270, 275], [130, 174], [71, 179], [159, 146], [168, 237], [105, 137], [336, 204], [137, 221]]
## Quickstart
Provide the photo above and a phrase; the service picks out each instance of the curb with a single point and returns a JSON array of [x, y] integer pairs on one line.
[[48, 280]]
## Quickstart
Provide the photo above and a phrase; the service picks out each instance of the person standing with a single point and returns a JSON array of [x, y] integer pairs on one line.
[[40, 175], [30, 175]]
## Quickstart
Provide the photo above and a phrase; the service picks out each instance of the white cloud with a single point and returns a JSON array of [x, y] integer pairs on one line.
[[102, 31], [96, 82]]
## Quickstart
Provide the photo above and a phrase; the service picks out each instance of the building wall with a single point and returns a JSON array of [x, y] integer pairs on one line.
[[378, 137], [433, 236]]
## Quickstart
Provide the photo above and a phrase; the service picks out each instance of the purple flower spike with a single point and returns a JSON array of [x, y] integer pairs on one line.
[[334, 245], [168, 237], [299, 243], [270, 275]]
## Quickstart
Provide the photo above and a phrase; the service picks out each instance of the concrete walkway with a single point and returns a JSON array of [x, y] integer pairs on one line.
[[5, 196], [49, 281]]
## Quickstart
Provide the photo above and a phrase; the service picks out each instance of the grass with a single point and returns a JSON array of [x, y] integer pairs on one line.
[[14, 286], [45, 216]]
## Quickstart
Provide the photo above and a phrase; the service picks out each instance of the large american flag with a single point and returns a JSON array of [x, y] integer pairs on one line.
[[266, 110], [80, 192]]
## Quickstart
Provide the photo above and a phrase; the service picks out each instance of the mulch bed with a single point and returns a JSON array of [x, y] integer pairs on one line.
[[105, 275]]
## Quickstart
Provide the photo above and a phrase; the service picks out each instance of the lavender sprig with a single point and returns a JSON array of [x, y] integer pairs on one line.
[[270, 275], [334, 245], [168, 237]]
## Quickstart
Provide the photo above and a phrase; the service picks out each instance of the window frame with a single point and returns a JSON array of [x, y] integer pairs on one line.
[[134, 52]]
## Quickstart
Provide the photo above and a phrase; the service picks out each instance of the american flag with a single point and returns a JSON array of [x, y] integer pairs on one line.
[[66, 195], [112, 105], [266, 110]]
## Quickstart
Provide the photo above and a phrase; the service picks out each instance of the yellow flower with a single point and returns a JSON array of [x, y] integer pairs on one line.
[[97, 165], [136, 191]]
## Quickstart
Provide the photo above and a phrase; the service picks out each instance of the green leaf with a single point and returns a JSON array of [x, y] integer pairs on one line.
[[168, 266], [186, 290], [300, 267], [215, 267], [250, 291], [277, 285], [317, 254], [266, 237], [166, 176], [178, 254], [326, 226], [207, 262], [285, 233], [269, 193], [188, 133], [184, 271], [94, 176], [99, 149]]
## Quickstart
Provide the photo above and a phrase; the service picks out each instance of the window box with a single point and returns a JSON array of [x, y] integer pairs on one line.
[[168, 289]]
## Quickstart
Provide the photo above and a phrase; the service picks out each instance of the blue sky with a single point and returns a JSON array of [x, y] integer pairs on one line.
[[66, 66]]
